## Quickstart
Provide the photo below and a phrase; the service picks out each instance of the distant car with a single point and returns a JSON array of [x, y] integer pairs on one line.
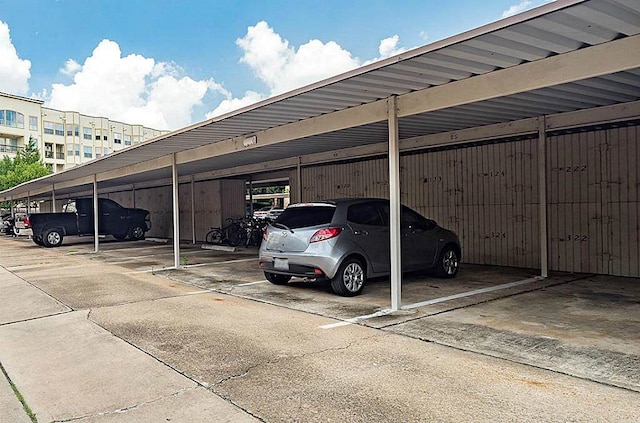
[[6, 227], [347, 241], [274, 213], [267, 213]]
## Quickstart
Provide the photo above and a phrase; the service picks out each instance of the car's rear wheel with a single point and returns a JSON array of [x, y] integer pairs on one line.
[[276, 279], [136, 233], [350, 279], [52, 238], [448, 263], [38, 241]]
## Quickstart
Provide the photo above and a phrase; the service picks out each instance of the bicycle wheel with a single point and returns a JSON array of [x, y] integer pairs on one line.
[[214, 237], [235, 236]]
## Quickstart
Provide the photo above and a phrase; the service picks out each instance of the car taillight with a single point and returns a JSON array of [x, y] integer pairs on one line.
[[26, 222], [324, 234]]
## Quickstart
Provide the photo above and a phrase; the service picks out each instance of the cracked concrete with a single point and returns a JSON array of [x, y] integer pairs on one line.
[[146, 348]]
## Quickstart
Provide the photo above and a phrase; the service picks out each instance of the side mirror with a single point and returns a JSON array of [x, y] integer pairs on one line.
[[431, 224]]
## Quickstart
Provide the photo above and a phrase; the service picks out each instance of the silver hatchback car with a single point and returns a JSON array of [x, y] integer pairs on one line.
[[347, 241]]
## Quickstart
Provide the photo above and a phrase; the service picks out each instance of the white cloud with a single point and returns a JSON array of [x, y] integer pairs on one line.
[[517, 8], [283, 68], [14, 71], [71, 67], [230, 104], [132, 89]]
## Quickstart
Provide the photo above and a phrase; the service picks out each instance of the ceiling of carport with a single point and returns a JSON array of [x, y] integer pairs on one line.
[[559, 27]]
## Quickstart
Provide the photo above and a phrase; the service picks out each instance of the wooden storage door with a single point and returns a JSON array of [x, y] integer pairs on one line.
[[594, 185], [487, 194]]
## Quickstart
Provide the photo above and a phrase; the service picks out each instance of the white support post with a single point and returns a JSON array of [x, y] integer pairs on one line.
[[53, 198], [299, 177], [96, 216], [250, 196], [542, 189], [193, 212], [176, 214], [28, 202], [394, 206]]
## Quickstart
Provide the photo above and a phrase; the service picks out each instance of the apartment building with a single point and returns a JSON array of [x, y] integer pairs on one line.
[[64, 138]]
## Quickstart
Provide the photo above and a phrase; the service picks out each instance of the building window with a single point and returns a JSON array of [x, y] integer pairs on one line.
[[98, 134], [106, 151], [117, 138], [33, 123], [136, 139], [76, 130], [98, 152], [59, 129], [69, 150], [88, 152], [11, 118], [127, 139], [86, 133], [77, 149], [48, 128], [69, 130]]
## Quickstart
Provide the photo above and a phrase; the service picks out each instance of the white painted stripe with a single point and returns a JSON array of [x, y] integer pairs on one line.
[[470, 293], [214, 263], [133, 248], [252, 283], [356, 319]]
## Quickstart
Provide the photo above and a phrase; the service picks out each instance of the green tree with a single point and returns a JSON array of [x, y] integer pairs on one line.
[[26, 166]]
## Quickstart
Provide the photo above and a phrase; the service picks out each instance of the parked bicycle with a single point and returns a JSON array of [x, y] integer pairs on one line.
[[247, 231]]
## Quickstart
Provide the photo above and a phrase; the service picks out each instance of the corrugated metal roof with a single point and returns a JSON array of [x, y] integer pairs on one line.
[[557, 28]]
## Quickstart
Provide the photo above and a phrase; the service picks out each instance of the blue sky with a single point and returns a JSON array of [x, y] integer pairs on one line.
[[167, 64]]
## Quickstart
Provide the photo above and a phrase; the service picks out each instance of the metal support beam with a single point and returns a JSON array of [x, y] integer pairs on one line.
[[193, 211], [602, 59], [96, 216], [299, 178], [250, 195], [176, 214], [542, 180], [394, 206]]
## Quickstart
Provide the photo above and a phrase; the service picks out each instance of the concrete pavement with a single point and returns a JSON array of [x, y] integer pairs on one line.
[[101, 345]]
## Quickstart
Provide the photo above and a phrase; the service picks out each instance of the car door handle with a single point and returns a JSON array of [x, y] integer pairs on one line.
[[363, 232]]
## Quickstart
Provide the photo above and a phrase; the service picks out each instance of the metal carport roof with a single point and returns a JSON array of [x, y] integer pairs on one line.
[[538, 36]]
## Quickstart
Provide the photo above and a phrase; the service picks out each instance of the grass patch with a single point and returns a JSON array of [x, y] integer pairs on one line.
[[27, 410]]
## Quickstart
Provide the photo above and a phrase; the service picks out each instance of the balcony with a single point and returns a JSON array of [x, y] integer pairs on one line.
[[10, 148], [48, 154]]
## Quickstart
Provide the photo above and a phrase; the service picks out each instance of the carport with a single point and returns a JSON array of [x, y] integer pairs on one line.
[[569, 67]]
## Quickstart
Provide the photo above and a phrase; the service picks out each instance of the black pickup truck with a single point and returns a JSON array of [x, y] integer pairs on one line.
[[77, 219]]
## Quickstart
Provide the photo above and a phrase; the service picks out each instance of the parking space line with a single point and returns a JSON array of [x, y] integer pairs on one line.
[[470, 293], [356, 319], [213, 263], [253, 283]]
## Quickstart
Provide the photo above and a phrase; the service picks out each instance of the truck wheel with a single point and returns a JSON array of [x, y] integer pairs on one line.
[[120, 237], [136, 233], [52, 238], [38, 241]]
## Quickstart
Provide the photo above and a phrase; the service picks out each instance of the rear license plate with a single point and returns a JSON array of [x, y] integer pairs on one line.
[[281, 264]]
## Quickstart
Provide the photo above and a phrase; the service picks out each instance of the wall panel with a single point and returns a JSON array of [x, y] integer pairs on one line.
[[593, 201]]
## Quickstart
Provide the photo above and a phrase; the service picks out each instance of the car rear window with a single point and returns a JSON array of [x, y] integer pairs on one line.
[[300, 217]]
